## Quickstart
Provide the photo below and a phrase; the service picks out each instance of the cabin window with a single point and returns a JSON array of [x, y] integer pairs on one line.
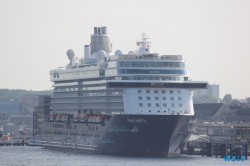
[[171, 91], [140, 97], [164, 104], [149, 104], [147, 91], [156, 98], [139, 91], [155, 91], [171, 98], [163, 91], [180, 105], [157, 104], [141, 104], [163, 98], [148, 98], [179, 98]]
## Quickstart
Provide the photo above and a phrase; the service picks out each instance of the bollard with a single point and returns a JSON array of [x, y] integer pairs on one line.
[[223, 150], [246, 154], [216, 150], [238, 151], [209, 148], [190, 150]]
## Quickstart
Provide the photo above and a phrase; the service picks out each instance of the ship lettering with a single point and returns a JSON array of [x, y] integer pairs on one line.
[[118, 128], [136, 120]]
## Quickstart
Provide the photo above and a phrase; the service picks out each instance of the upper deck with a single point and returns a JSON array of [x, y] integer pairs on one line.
[[124, 65], [141, 64]]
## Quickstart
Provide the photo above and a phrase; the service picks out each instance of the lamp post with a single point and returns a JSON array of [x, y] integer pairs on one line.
[[11, 112]]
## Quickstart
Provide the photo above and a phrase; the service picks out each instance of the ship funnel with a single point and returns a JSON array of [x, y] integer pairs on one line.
[[100, 41], [95, 30], [86, 51]]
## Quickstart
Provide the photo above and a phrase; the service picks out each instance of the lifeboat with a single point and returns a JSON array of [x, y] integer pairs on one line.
[[83, 118], [90, 119], [60, 117], [57, 117], [78, 117], [98, 119], [6, 138], [51, 117], [66, 117], [75, 117], [63, 117]]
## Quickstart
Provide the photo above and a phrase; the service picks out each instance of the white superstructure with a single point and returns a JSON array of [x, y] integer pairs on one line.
[[140, 82]]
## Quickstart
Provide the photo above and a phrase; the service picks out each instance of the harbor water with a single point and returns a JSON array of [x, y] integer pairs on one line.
[[38, 156]]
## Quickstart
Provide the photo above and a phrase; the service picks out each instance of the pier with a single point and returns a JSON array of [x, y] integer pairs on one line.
[[237, 151]]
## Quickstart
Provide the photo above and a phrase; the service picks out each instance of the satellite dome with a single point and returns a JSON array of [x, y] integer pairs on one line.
[[100, 55], [70, 54], [118, 52], [131, 53], [52, 72]]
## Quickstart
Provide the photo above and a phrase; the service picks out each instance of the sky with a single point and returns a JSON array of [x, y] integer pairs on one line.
[[212, 35]]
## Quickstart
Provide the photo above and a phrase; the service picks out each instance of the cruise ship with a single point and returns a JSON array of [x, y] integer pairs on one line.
[[135, 104]]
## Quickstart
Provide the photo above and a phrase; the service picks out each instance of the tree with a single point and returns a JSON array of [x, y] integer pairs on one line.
[[248, 100]]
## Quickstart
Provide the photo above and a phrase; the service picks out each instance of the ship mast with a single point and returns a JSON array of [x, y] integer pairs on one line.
[[144, 45]]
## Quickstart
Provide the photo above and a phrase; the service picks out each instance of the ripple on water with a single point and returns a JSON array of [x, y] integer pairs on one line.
[[38, 156]]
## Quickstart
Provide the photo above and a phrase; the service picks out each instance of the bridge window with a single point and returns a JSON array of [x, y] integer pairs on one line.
[[134, 64], [127, 64]]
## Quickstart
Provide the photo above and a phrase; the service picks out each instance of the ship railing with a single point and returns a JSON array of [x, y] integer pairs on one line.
[[153, 56]]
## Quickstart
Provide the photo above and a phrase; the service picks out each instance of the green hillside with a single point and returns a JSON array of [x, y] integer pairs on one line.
[[16, 94]]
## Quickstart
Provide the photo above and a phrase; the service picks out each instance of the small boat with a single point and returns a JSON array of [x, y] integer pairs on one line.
[[34, 141]]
